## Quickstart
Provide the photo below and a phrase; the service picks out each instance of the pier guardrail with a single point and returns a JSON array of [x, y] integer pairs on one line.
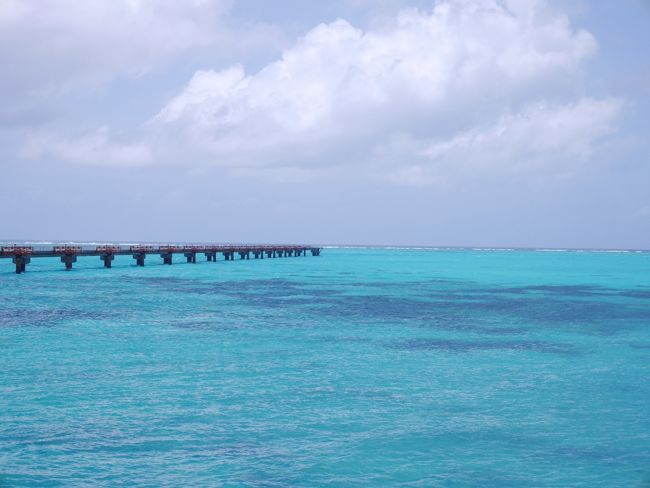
[[16, 251]]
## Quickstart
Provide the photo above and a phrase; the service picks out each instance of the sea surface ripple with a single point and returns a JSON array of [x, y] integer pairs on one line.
[[361, 367]]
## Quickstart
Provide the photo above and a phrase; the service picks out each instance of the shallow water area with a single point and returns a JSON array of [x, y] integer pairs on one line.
[[361, 367]]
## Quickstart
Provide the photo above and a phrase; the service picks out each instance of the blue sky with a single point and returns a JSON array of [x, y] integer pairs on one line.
[[456, 122]]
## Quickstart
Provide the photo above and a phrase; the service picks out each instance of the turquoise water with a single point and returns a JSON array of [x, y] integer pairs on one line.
[[357, 368]]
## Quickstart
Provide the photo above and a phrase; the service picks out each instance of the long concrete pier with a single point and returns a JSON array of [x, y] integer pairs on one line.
[[21, 256]]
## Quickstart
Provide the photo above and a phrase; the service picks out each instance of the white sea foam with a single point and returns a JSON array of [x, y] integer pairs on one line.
[[497, 249]]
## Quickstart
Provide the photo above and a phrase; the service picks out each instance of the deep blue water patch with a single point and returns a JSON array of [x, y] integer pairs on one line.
[[20, 317]]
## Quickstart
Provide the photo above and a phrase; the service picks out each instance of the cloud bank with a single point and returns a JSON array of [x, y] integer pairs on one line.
[[49, 48], [470, 85]]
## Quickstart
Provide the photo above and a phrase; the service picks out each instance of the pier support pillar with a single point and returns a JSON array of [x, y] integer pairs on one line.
[[68, 260], [21, 263], [167, 258], [108, 260], [315, 251], [139, 259], [191, 257]]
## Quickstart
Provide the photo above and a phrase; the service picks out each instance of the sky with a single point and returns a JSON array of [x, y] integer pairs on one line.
[[501, 123]]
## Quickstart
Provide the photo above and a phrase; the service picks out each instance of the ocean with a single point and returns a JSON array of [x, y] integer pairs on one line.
[[361, 367]]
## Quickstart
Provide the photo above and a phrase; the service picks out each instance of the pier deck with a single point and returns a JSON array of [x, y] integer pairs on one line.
[[22, 255]]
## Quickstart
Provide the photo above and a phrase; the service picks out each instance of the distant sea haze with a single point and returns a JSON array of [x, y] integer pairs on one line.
[[330, 246]]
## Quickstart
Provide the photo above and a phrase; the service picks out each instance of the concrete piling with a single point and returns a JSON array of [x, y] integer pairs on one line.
[[21, 263], [68, 259], [107, 259]]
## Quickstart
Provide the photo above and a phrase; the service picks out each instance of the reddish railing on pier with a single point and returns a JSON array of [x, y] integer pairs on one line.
[[170, 249], [16, 250], [67, 250], [142, 248], [193, 248], [108, 249]]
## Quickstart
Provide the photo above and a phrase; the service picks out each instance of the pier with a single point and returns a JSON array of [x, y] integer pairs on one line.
[[21, 256]]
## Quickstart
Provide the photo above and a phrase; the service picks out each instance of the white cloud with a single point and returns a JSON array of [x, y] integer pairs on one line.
[[98, 148], [340, 92], [102, 37], [549, 141], [50, 48], [539, 135], [472, 85]]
